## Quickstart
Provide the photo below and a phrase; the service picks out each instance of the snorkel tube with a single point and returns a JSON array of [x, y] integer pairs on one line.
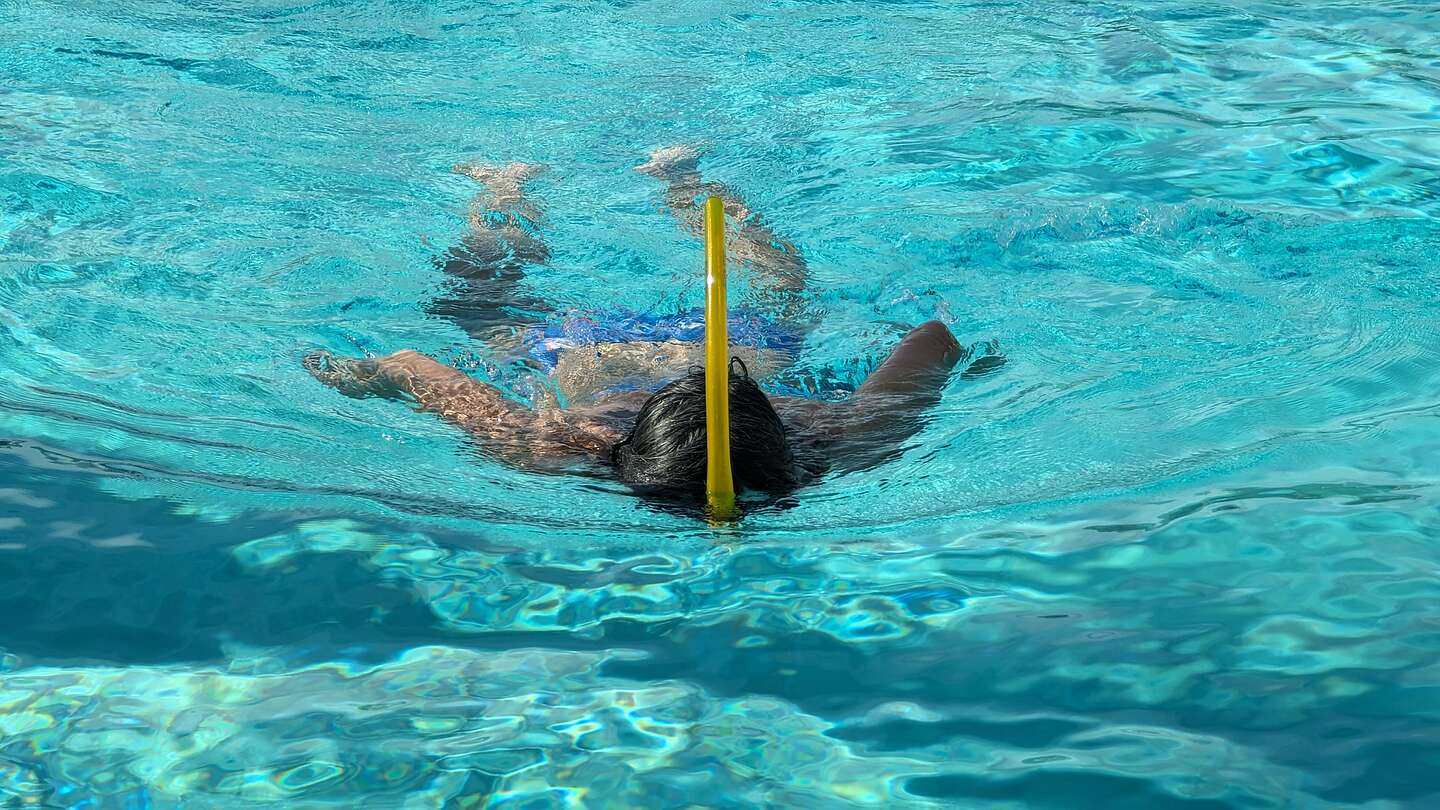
[[719, 482]]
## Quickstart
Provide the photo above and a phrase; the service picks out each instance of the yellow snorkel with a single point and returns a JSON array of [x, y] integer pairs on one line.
[[719, 483]]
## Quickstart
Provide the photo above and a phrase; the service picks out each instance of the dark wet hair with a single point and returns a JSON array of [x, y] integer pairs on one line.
[[665, 452]]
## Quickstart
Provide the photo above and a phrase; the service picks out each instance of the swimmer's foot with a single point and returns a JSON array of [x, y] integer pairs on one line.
[[353, 377], [669, 162], [506, 183]]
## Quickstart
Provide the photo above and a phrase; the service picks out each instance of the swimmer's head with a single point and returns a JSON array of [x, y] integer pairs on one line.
[[665, 451]]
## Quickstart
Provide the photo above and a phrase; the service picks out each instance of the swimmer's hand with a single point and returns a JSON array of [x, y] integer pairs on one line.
[[357, 377]]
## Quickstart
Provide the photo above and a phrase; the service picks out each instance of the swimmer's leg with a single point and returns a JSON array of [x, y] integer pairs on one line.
[[781, 270], [502, 211], [775, 258], [488, 264]]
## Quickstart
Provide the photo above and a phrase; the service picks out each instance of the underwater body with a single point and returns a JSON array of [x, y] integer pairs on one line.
[[1180, 551]]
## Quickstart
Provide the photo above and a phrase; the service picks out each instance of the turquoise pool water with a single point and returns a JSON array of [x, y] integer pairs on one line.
[[1184, 551]]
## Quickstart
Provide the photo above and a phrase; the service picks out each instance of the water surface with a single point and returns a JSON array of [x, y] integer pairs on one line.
[[1181, 552]]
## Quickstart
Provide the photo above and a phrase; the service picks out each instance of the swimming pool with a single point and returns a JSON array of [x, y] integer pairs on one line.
[[1181, 552]]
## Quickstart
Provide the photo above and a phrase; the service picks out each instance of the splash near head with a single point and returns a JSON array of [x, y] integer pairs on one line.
[[719, 483]]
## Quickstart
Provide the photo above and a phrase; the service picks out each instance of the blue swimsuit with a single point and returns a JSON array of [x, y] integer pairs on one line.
[[747, 328]]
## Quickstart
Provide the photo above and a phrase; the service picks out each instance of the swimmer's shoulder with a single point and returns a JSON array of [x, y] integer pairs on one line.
[[617, 410], [815, 421]]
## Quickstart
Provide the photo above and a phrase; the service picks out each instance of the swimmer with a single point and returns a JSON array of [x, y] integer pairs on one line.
[[634, 385]]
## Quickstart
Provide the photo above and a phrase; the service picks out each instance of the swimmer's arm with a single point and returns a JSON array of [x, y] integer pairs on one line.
[[916, 369], [521, 435], [889, 405]]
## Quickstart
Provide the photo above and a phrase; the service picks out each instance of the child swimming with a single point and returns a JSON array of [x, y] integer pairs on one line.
[[633, 384]]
